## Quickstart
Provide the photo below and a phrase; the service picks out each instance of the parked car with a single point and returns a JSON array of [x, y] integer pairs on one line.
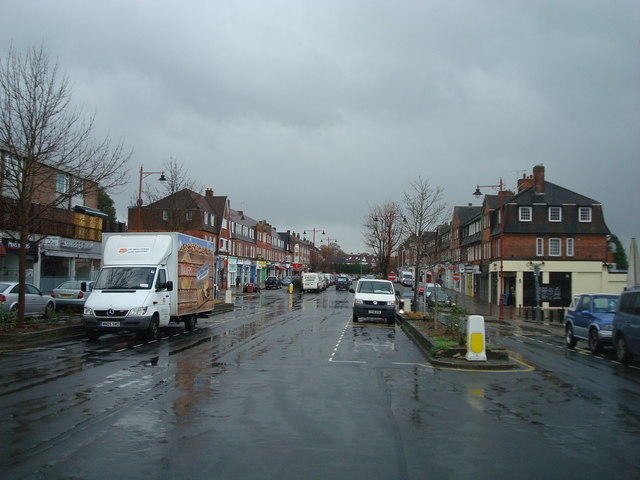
[[286, 281], [626, 326], [591, 320], [272, 282], [433, 290], [342, 283], [443, 297], [72, 293], [36, 302], [374, 298]]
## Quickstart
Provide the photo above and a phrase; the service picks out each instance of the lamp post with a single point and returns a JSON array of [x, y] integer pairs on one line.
[[389, 223], [477, 194], [142, 175], [314, 230]]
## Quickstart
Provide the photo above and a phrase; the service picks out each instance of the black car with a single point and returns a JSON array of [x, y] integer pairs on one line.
[[342, 283], [272, 282]]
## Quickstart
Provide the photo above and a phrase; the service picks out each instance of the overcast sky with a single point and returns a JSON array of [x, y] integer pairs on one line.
[[306, 113]]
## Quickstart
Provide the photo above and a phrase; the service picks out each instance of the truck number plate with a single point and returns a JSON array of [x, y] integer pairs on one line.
[[109, 324], [375, 312]]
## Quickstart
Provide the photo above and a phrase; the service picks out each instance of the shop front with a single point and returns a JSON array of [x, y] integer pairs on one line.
[[9, 261], [63, 259]]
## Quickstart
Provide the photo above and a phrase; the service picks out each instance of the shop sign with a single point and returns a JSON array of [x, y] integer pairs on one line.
[[14, 244]]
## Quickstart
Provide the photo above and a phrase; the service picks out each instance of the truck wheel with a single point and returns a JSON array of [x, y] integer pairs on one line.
[[355, 318], [189, 322], [153, 331]]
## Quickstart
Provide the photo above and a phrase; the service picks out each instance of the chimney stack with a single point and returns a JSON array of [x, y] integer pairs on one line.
[[538, 178], [208, 192], [525, 182]]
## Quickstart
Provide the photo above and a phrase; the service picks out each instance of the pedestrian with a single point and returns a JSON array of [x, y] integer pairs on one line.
[[237, 282]]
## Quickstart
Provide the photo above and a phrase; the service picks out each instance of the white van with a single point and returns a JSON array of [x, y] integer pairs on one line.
[[312, 282], [374, 298]]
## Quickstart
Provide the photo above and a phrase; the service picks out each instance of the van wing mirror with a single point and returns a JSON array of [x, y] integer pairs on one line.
[[168, 286], [83, 286]]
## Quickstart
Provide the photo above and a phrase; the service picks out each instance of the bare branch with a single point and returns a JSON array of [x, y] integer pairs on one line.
[[49, 158]]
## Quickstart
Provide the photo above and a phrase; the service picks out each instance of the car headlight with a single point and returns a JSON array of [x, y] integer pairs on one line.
[[608, 327], [137, 312]]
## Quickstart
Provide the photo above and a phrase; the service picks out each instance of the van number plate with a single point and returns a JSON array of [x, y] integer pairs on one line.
[[375, 312], [109, 324]]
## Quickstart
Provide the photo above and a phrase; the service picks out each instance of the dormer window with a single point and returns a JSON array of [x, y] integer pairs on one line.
[[525, 214], [584, 214], [555, 214]]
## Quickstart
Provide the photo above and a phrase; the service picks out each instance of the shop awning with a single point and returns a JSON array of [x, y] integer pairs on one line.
[[90, 211]]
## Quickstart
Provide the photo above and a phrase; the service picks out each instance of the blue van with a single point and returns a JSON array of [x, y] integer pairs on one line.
[[626, 326]]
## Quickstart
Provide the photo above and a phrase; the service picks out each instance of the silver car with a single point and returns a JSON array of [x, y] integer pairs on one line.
[[36, 302], [72, 293]]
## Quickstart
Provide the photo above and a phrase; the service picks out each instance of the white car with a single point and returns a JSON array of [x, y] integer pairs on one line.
[[374, 298], [36, 302]]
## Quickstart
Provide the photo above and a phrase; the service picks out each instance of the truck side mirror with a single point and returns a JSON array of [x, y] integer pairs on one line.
[[83, 286], [168, 286]]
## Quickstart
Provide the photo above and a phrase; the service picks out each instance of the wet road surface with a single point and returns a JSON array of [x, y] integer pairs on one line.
[[286, 387]]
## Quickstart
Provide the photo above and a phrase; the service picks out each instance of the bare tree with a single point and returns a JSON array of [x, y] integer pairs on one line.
[[425, 210], [43, 137], [384, 229]]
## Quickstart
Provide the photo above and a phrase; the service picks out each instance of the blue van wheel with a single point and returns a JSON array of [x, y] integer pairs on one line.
[[622, 352]]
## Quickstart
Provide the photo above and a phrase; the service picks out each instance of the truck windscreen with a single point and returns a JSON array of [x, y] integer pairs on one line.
[[125, 278]]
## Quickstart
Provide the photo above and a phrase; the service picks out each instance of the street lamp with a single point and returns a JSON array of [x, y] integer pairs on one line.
[[314, 234], [478, 194], [388, 219], [145, 174]]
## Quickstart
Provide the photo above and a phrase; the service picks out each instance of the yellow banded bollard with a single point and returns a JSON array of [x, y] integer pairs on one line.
[[476, 339]]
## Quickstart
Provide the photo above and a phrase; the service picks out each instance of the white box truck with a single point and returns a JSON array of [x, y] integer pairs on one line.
[[149, 280]]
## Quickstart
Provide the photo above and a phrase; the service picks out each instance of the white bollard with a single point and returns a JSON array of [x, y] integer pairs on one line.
[[407, 305], [476, 344], [227, 297]]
